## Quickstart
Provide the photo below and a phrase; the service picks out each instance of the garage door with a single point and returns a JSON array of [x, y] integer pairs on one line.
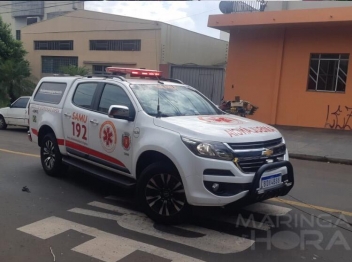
[[209, 81]]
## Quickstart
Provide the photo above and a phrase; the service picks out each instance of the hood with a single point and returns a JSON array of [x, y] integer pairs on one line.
[[221, 128], [4, 109]]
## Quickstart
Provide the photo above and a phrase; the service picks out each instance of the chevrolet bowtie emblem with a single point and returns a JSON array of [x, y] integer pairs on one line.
[[236, 162], [267, 152]]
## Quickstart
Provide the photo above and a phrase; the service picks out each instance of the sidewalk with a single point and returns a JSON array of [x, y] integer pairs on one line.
[[316, 144]]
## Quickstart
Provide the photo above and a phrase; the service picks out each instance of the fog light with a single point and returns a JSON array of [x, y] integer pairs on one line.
[[215, 187]]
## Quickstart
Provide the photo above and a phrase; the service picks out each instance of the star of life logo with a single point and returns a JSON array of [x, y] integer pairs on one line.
[[108, 136]]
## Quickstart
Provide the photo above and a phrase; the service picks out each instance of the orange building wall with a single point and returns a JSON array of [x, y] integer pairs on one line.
[[252, 68], [268, 66], [297, 106]]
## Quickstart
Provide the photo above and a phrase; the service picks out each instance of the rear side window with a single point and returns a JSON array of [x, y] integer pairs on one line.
[[50, 92], [84, 95], [20, 103]]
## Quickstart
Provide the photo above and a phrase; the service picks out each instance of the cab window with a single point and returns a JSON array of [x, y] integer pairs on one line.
[[20, 103], [113, 95], [84, 95]]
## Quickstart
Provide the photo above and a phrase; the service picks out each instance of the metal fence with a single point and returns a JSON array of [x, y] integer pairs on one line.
[[228, 7]]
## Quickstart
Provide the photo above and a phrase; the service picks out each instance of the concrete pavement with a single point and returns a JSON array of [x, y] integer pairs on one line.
[[317, 144], [78, 218]]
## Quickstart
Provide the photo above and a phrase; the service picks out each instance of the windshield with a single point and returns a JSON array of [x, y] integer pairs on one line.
[[174, 100]]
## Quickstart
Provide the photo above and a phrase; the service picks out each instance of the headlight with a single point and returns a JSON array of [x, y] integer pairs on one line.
[[208, 149]]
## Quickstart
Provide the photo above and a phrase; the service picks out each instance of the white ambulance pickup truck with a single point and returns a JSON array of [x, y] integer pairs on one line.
[[159, 136]]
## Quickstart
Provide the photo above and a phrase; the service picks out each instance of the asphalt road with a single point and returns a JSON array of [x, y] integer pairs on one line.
[[79, 218]]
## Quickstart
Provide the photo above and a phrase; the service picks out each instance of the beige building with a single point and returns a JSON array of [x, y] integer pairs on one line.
[[97, 40], [22, 13]]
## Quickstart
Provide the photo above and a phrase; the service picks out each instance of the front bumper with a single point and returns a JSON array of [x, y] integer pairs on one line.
[[256, 194], [239, 188]]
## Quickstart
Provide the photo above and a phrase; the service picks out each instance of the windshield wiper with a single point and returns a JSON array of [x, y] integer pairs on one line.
[[159, 115]]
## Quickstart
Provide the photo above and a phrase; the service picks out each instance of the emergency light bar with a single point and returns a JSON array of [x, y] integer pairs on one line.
[[133, 71]]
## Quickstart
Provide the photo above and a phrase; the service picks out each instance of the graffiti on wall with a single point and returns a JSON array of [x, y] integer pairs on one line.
[[341, 118]]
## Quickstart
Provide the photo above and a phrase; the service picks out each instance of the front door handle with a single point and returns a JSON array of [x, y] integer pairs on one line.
[[93, 121], [67, 115]]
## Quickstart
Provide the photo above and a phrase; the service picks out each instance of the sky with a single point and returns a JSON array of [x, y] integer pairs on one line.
[[191, 15]]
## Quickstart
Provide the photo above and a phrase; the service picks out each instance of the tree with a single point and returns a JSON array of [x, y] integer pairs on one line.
[[14, 69], [15, 79], [74, 70]]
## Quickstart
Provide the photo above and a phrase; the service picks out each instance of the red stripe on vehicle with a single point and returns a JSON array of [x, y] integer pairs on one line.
[[35, 131], [93, 153], [60, 142]]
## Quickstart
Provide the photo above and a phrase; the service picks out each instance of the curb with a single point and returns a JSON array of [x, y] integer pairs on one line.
[[321, 159]]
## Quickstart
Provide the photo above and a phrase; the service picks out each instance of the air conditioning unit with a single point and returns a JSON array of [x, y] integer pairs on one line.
[[33, 20]]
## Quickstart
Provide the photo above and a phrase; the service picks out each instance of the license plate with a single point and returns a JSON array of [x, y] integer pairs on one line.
[[271, 181]]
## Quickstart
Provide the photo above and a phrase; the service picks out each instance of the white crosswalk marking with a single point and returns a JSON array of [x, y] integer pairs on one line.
[[268, 209], [213, 241], [109, 247], [105, 246]]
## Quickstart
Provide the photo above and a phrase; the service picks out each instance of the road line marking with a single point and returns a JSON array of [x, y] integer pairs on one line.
[[105, 246], [268, 209], [94, 213], [139, 222], [18, 153], [326, 209]]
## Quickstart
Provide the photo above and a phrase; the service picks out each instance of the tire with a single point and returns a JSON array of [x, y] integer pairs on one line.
[[160, 182], [3, 124], [51, 157]]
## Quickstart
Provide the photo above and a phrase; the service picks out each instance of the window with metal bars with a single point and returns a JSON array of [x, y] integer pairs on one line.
[[328, 72], [100, 69], [53, 45], [53, 64], [115, 45]]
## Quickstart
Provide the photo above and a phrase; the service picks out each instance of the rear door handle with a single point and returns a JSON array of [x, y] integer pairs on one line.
[[93, 121], [67, 115]]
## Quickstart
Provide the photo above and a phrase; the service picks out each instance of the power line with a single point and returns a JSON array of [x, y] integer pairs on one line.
[[99, 19], [133, 22], [191, 15]]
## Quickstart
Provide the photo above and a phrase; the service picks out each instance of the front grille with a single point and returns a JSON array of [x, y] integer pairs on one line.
[[255, 145], [251, 166], [249, 156]]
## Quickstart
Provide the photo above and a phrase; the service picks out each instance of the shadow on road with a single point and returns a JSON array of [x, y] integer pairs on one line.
[[15, 129]]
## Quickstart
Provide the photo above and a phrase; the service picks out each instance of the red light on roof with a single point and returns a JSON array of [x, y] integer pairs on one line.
[[133, 71]]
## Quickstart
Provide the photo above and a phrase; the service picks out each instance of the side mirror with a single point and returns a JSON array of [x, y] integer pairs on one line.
[[8, 105], [119, 112]]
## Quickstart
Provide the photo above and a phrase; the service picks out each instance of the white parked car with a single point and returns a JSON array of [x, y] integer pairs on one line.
[[16, 114], [159, 136]]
